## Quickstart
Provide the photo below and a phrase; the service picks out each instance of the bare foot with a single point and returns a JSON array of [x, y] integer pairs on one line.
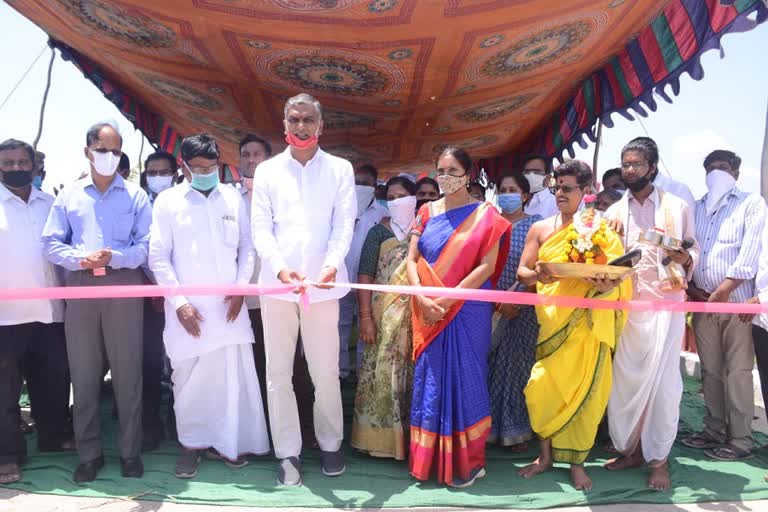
[[580, 479], [624, 462], [539, 466], [659, 478]]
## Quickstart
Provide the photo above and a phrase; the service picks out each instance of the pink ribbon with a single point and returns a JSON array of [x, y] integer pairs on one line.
[[495, 296]]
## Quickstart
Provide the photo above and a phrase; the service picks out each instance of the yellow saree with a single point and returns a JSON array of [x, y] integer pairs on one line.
[[570, 383]]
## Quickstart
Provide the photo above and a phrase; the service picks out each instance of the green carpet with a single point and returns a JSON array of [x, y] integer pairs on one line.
[[383, 483]]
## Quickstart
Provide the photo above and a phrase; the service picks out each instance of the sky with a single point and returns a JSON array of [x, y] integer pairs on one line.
[[726, 110]]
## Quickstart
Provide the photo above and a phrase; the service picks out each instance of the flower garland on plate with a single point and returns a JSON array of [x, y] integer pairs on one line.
[[586, 236]]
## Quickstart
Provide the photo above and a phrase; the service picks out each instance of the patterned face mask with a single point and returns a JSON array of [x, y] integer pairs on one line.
[[450, 184]]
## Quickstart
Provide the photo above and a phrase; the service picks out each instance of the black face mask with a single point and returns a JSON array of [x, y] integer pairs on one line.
[[640, 183], [17, 179]]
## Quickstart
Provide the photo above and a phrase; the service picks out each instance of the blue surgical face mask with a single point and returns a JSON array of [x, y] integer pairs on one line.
[[205, 182], [510, 203], [382, 202], [37, 182]]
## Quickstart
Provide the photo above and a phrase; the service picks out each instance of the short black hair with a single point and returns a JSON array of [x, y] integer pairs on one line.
[[426, 180], [522, 181], [92, 135], [580, 170], [459, 154], [616, 171], [370, 170], [645, 145], [11, 144], [125, 162], [200, 145], [476, 183], [161, 155], [404, 182], [723, 155], [252, 137], [547, 161]]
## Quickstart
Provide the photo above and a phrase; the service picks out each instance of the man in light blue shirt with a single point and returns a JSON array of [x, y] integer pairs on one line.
[[98, 230], [729, 224]]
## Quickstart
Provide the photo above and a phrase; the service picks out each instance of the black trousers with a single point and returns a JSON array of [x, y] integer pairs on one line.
[[40, 349], [760, 339], [302, 382], [154, 323]]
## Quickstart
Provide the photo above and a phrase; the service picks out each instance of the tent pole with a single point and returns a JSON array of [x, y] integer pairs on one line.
[[598, 141], [764, 162]]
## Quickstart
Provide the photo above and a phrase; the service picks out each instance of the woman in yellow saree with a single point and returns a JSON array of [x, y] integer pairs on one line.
[[570, 383]]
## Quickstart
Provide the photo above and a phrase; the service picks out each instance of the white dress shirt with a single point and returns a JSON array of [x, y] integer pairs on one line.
[[198, 240], [542, 203], [674, 187], [302, 219], [23, 262], [370, 217]]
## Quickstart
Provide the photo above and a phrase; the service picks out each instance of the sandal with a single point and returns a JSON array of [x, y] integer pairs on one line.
[[701, 441], [728, 453]]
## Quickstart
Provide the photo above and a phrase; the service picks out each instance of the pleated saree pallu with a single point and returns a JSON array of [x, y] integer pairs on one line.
[[450, 410], [570, 383]]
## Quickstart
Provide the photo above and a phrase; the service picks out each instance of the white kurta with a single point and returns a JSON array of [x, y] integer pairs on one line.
[[542, 203], [303, 218], [199, 240]]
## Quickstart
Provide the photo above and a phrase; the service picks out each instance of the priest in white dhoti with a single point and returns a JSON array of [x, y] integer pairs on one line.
[[200, 235], [644, 406], [303, 215]]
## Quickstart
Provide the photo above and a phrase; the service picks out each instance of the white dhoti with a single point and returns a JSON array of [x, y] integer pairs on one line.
[[647, 385], [218, 402]]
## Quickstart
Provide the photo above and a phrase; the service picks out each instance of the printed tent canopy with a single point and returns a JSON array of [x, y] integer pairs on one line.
[[397, 78]]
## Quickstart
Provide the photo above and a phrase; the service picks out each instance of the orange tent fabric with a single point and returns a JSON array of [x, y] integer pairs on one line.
[[397, 78]]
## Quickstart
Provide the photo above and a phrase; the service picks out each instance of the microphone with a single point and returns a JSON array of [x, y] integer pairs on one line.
[[685, 245]]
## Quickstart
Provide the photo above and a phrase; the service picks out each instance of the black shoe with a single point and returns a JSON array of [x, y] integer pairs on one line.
[[132, 468], [333, 463], [87, 472], [289, 472], [151, 440]]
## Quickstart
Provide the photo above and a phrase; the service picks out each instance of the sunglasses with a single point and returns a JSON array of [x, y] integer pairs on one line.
[[566, 189]]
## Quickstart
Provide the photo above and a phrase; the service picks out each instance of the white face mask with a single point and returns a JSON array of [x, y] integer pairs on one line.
[[364, 198], [159, 183], [402, 212], [719, 183], [536, 181], [105, 163]]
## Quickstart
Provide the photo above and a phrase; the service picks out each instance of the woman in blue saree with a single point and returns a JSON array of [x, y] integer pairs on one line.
[[459, 243]]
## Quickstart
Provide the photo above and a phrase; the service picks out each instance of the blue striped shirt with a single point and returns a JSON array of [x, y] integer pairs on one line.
[[730, 242]]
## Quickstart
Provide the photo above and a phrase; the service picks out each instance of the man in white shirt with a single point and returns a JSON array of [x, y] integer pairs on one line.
[[536, 169], [200, 235], [30, 331], [253, 151], [369, 213], [304, 211]]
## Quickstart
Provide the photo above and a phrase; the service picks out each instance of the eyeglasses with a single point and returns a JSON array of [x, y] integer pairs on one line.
[[565, 189], [202, 170], [638, 166], [115, 152]]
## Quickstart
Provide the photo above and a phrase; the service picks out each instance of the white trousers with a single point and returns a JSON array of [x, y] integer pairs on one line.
[[320, 338]]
